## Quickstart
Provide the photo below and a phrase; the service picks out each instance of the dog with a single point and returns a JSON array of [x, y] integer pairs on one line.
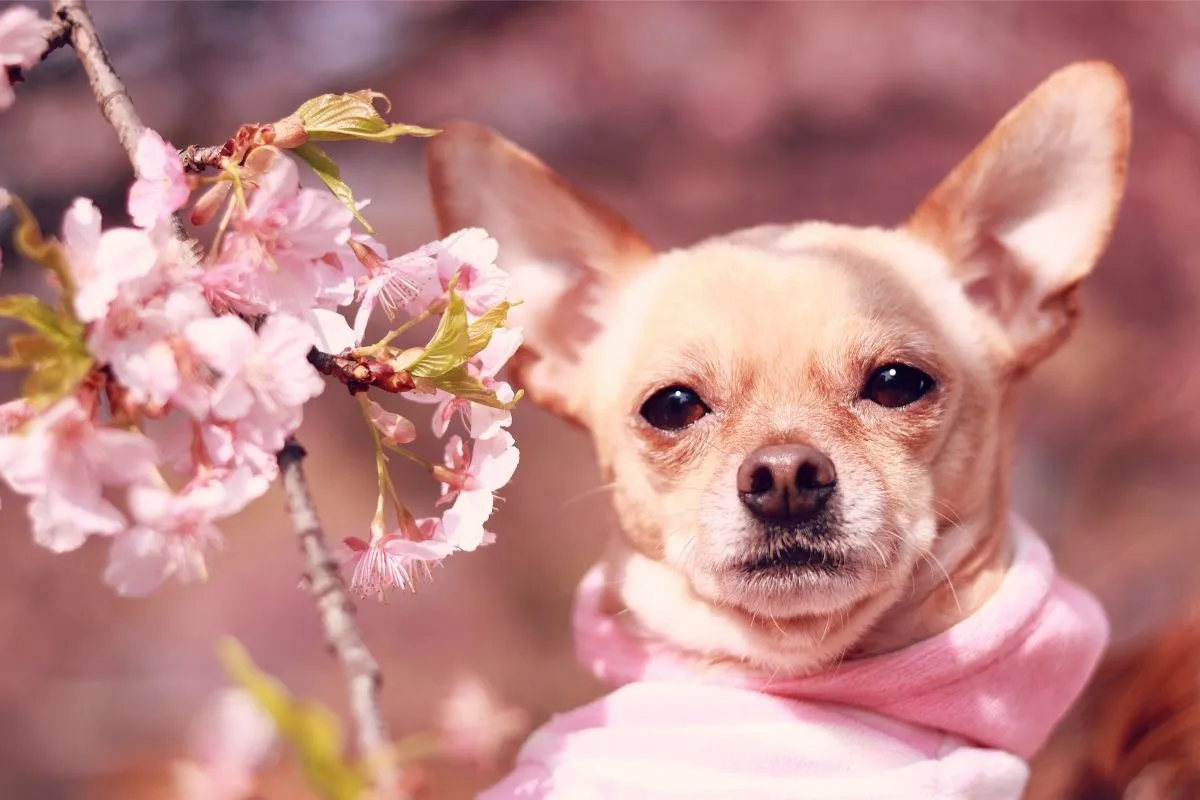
[[818, 588]]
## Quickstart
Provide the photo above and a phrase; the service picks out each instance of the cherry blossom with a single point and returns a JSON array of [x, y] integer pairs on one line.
[[268, 370], [196, 368], [469, 479], [387, 562], [144, 343], [333, 333], [475, 725], [232, 740], [463, 523], [172, 532], [161, 188], [63, 459], [392, 283], [281, 255], [103, 263], [483, 422], [23, 37], [393, 427], [487, 466], [14, 414], [469, 254]]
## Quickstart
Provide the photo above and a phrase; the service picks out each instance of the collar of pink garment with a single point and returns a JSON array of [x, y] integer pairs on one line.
[[1002, 678]]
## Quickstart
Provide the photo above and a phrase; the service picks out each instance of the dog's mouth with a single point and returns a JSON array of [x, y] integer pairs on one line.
[[793, 556]]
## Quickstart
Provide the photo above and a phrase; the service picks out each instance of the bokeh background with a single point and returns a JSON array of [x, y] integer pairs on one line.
[[691, 119]]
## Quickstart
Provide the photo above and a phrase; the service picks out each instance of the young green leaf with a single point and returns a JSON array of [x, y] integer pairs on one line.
[[332, 117], [455, 341], [54, 378], [461, 383], [480, 331], [54, 325], [447, 348], [55, 352], [310, 728], [331, 176], [27, 236]]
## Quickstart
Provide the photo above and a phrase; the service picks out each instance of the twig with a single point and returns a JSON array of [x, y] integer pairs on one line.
[[360, 374], [57, 37], [325, 583], [337, 618], [110, 92], [196, 157]]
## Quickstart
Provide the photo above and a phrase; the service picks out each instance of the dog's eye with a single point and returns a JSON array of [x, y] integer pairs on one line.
[[673, 408], [896, 385]]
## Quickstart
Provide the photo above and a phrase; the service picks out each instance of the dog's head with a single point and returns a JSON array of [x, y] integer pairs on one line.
[[804, 425]]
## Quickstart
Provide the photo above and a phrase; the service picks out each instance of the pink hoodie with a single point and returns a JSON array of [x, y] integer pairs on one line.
[[954, 716]]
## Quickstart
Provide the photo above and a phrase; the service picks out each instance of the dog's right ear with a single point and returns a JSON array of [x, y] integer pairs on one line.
[[565, 252]]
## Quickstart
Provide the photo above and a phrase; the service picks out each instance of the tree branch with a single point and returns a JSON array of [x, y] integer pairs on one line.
[[56, 37], [325, 583], [359, 375], [337, 619], [110, 92], [197, 157]]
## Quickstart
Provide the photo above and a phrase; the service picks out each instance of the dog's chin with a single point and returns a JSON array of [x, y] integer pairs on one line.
[[793, 613], [791, 578]]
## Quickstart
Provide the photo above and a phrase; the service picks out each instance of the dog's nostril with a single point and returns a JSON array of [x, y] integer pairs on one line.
[[815, 472], [761, 481]]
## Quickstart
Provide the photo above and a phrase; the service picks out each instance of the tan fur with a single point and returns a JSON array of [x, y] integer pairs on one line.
[[777, 328]]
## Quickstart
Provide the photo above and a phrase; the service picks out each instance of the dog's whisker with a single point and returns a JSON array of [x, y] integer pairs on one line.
[[589, 493]]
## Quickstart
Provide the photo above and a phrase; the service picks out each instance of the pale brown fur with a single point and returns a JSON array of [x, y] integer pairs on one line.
[[777, 329]]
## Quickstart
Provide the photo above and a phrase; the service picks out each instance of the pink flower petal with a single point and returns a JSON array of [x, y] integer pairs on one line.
[[393, 427]]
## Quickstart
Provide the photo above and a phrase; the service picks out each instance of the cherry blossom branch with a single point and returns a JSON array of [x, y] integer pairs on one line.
[[324, 580], [362, 672], [360, 374], [110, 92], [57, 37], [196, 158]]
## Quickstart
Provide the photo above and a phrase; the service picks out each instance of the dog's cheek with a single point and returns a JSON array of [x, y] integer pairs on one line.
[[638, 508], [966, 466]]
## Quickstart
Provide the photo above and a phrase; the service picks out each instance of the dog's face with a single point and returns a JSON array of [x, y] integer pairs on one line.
[[804, 426]]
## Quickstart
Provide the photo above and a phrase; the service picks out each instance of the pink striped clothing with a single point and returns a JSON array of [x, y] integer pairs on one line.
[[954, 716]]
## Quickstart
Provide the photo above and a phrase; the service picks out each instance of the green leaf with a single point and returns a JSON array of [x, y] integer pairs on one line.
[[55, 352], [54, 325], [331, 176], [26, 350], [447, 348], [311, 729], [332, 117], [55, 378], [461, 383], [480, 331], [27, 236]]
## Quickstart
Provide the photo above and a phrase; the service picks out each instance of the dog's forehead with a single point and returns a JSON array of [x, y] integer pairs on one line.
[[764, 289]]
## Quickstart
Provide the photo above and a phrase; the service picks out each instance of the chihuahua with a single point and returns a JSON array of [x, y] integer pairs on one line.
[[817, 588]]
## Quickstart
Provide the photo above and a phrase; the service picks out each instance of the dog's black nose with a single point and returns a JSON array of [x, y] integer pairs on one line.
[[786, 482]]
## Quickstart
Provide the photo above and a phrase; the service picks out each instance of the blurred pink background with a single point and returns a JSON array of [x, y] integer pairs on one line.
[[691, 119]]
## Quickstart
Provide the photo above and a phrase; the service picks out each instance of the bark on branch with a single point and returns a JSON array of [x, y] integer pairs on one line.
[[325, 583]]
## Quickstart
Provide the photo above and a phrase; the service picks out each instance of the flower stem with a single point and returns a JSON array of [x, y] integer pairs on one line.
[[386, 487], [378, 347], [411, 456]]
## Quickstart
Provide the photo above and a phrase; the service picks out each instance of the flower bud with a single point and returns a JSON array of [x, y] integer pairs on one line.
[[289, 133], [367, 256], [208, 204]]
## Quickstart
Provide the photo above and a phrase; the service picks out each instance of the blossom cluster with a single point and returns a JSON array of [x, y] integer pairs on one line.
[[23, 40], [167, 377]]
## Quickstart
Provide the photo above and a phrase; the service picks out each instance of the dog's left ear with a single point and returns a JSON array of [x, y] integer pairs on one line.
[[1024, 218], [566, 252]]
